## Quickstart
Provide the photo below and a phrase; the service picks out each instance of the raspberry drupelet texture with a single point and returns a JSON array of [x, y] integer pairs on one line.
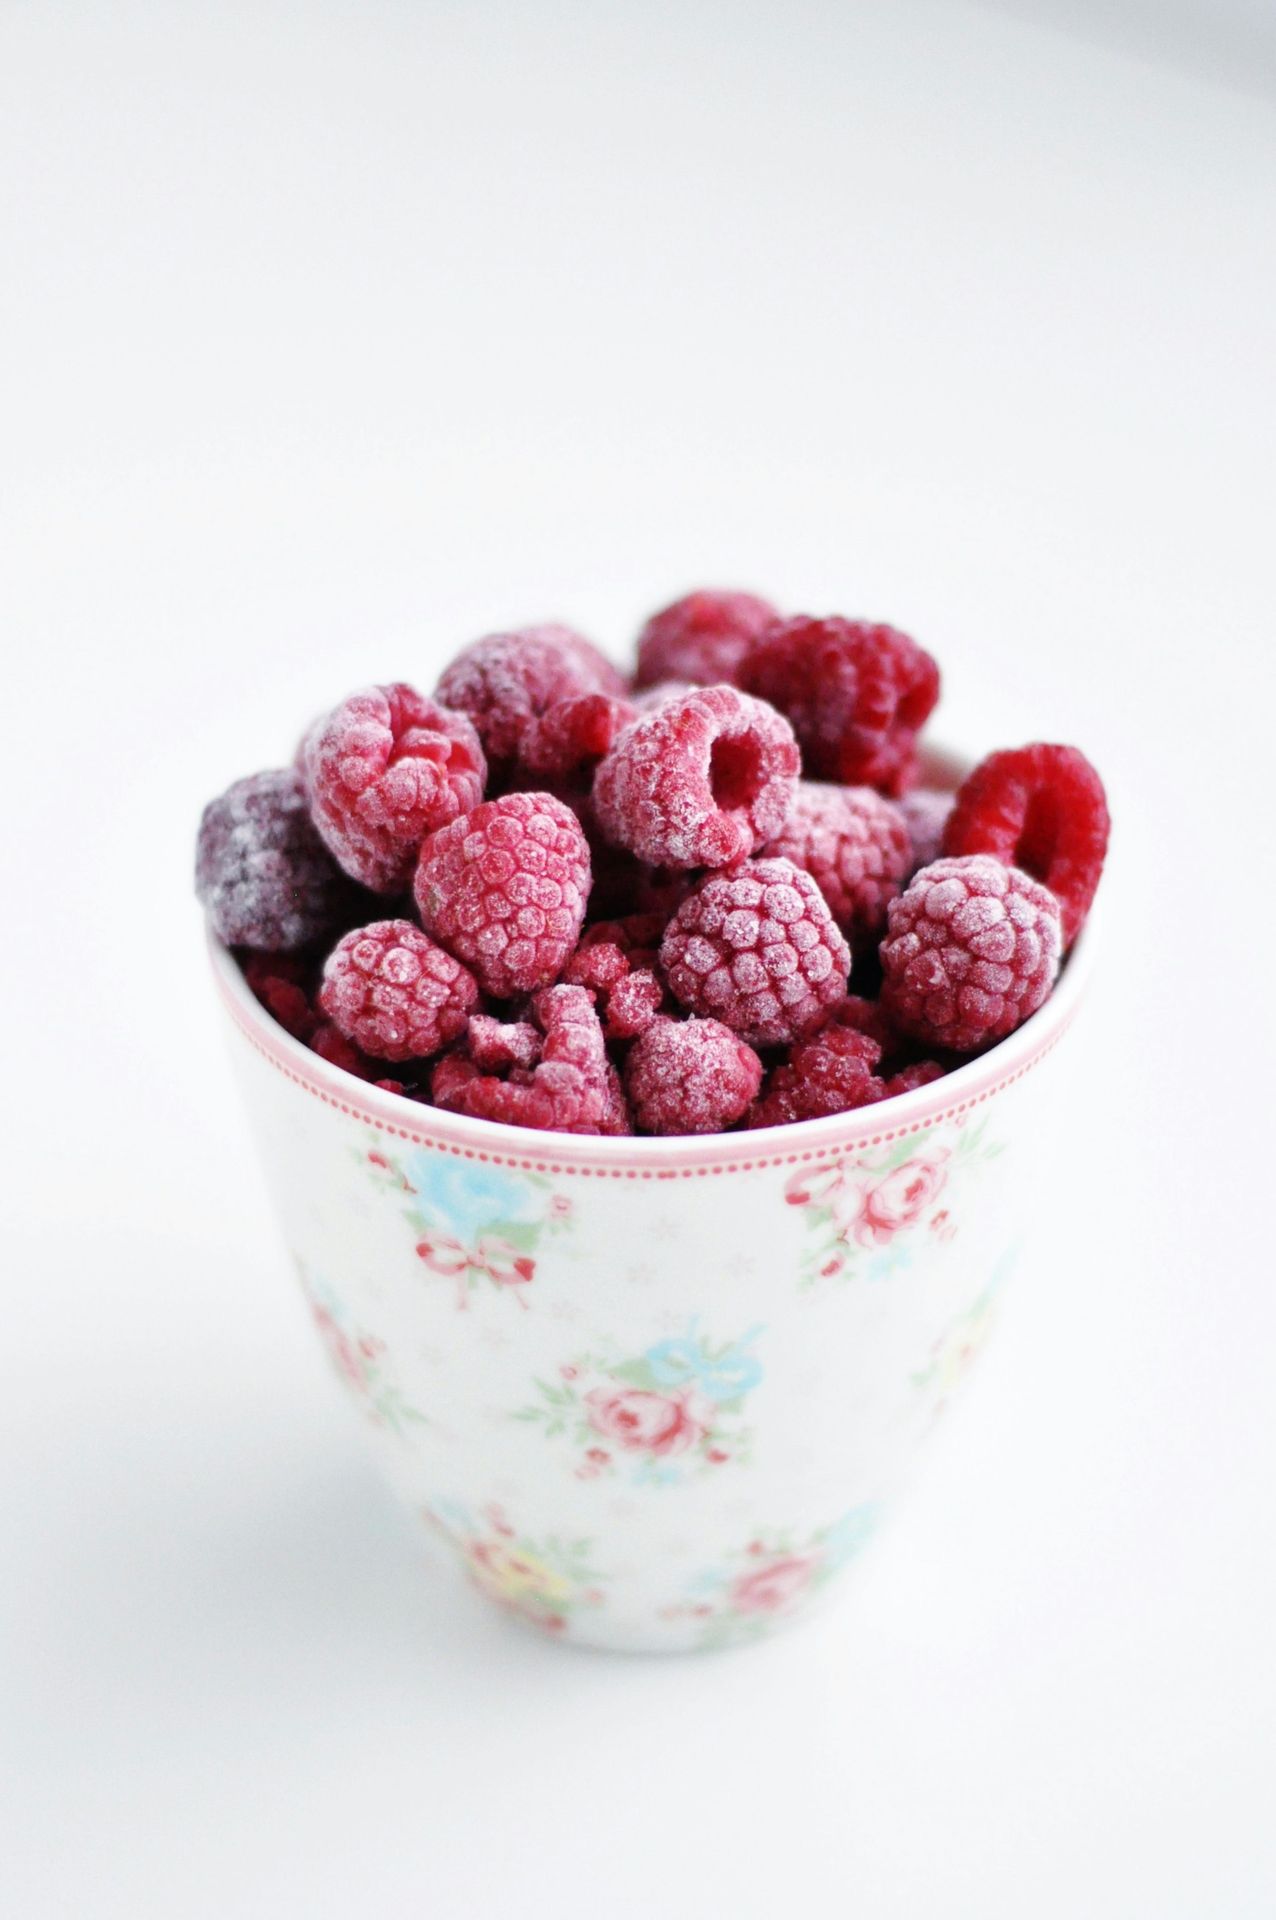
[[383, 770], [832, 1072], [855, 846], [572, 1088], [504, 889], [925, 812], [701, 638], [758, 949], [263, 874], [690, 1076], [972, 948], [496, 1045], [1042, 809], [395, 993], [856, 693], [510, 685], [703, 781], [616, 961]]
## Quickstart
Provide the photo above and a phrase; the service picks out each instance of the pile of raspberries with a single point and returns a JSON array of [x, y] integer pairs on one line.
[[552, 896]]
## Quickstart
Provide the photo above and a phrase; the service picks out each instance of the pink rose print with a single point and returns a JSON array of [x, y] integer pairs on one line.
[[492, 1259], [770, 1588], [898, 1200], [644, 1422]]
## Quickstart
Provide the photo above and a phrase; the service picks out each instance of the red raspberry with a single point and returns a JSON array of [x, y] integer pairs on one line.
[[690, 1076], [972, 948], [504, 889], [701, 782], [611, 961], [279, 982], [383, 770], [396, 994], [262, 873], [757, 948], [701, 638], [508, 682], [832, 1072], [925, 812], [633, 1004], [921, 1074], [855, 847], [647, 699], [331, 1045], [572, 737], [571, 1090], [856, 693], [1042, 809], [867, 1016], [493, 1045]]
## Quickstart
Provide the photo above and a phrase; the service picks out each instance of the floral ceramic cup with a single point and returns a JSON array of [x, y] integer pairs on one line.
[[653, 1394]]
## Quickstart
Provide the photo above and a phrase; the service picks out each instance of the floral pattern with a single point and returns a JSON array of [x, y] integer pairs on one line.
[[862, 1214], [770, 1579], [665, 1416], [475, 1224], [359, 1361], [544, 1581]]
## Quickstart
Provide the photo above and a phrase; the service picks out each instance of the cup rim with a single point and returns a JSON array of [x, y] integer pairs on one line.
[[667, 1157]]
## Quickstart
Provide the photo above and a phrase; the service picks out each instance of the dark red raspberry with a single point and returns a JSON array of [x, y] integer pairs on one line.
[[396, 994], [495, 1045], [921, 1074], [702, 782], [633, 1004], [331, 1045], [571, 1090], [690, 1076], [855, 847], [832, 1072], [572, 737], [868, 1016], [279, 982], [857, 694], [509, 682], [264, 876], [758, 949], [504, 889], [383, 770], [925, 812], [701, 638], [972, 948], [1042, 809]]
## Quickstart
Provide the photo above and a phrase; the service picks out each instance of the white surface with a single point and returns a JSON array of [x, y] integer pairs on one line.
[[332, 336]]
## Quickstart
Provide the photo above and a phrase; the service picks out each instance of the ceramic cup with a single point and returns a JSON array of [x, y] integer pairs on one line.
[[653, 1394]]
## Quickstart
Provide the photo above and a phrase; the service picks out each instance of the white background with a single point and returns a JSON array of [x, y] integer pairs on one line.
[[334, 335]]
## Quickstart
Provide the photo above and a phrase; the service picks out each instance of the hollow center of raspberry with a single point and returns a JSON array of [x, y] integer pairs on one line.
[[1038, 840], [735, 773]]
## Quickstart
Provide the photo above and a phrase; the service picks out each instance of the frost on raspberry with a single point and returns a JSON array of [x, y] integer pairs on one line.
[[543, 699], [925, 811], [703, 781], [690, 1076], [262, 873], [857, 694], [571, 1089], [701, 638], [758, 949], [855, 846], [383, 770], [1042, 809], [395, 993], [615, 961], [972, 948], [504, 889]]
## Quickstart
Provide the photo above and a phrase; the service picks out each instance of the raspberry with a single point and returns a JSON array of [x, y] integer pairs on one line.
[[612, 961], [508, 682], [571, 1090], [647, 699], [383, 770], [758, 949], [856, 693], [972, 948], [279, 983], [633, 1004], [701, 638], [572, 737], [701, 782], [921, 1074], [925, 811], [1042, 809], [504, 889], [331, 1045], [832, 1072], [394, 993], [494, 1045], [855, 847], [261, 871], [690, 1076]]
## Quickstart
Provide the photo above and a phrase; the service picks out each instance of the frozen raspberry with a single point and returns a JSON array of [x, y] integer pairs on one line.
[[262, 873], [396, 994], [617, 1118], [925, 811], [279, 982], [757, 948], [855, 847], [633, 1004], [703, 781], [868, 1016], [495, 1045], [832, 1072], [856, 693], [690, 1076], [331, 1045], [616, 962], [921, 1074], [701, 638], [509, 682], [572, 737], [504, 889], [1042, 809], [647, 699], [382, 770], [972, 948], [570, 1090]]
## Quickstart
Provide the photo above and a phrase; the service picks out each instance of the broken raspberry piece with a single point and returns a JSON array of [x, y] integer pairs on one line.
[[832, 1072], [570, 1090]]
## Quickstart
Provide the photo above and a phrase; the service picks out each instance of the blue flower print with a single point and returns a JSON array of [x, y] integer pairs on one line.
[[721, 1376], [466, 1198]]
